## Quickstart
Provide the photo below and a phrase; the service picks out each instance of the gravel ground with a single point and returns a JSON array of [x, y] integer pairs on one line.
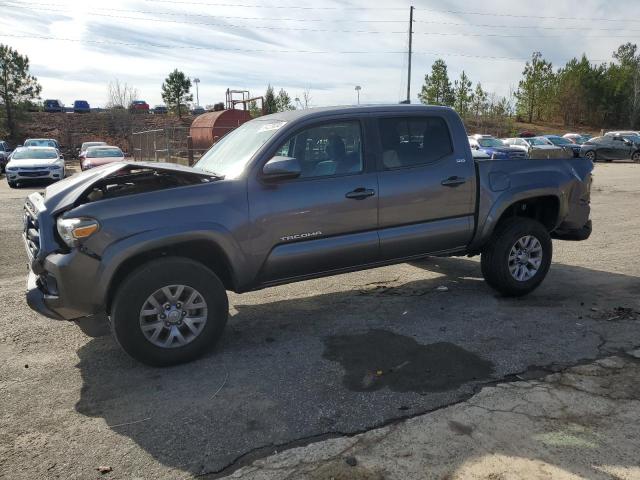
[[307, 361]]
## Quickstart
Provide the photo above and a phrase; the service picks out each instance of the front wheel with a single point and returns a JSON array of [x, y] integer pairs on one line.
[[518, 256], [169, 311], [591, 155], [12, 184], [636, 157]]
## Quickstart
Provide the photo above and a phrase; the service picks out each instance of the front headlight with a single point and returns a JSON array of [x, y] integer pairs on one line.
[[72, 230], [12, 169]]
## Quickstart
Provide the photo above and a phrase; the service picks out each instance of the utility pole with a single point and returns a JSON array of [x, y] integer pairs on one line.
[[408, 100], [197, 82], [358, 88]]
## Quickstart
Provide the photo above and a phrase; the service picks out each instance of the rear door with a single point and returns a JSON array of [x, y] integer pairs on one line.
[[605, 149], [427, 185], [326, 219]]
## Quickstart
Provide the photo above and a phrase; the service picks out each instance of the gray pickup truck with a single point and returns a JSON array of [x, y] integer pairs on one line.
[[283, 198]]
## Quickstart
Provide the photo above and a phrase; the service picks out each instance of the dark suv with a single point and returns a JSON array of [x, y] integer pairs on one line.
[[53, 106], [284, 198]]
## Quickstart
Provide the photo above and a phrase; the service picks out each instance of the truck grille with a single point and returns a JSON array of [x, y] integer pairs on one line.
[[31, 230]]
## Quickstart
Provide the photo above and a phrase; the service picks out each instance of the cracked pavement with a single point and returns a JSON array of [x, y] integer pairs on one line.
[[321, 360], [579, 423]]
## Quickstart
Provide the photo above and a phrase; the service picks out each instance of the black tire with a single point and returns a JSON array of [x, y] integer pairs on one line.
[[591, 155], [495, 256], [636, 156], [139, 285], [12, 184]]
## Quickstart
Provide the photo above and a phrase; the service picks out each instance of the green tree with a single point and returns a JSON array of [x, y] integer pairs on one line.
[[462, 92], [175, 91], [283, 101], [479, 100], [629, 59], [534, 88], [270, 102], [17, 86], [437, 87]]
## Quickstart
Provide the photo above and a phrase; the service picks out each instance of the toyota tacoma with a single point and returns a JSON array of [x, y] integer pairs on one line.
[[288, 197]]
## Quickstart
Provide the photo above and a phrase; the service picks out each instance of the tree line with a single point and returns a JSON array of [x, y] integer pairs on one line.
[[579, 93]]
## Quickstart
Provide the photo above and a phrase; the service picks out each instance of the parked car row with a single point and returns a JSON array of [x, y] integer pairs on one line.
[[41, 159], [56, 106], [615, 145]]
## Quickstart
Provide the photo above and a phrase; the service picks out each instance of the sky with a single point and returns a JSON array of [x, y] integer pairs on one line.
[[76, 48]]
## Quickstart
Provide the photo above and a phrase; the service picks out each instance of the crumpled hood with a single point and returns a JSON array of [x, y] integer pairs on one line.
[[64, 194]]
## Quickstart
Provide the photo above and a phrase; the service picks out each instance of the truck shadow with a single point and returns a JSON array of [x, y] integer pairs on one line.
[[289, 372]]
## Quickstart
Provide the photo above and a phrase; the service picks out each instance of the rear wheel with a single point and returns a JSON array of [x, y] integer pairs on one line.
[[518, 256], [591, 155], [169, 311]]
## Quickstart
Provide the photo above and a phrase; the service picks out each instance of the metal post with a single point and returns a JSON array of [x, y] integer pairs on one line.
[[190, 150], [155, 147], [410, 45]]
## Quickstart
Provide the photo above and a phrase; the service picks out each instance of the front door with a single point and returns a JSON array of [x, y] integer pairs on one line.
[[326, 219], [427, 186]]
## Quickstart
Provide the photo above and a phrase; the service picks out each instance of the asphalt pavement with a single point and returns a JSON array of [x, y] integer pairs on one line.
[[307, 361]]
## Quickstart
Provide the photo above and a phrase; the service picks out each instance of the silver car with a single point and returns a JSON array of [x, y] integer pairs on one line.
[[537, 147], [34, 163]]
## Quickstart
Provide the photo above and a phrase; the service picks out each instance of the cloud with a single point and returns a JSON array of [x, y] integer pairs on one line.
[[122, 40]]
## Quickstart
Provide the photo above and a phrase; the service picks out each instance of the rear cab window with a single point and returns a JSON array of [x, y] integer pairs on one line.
[[413, 141]]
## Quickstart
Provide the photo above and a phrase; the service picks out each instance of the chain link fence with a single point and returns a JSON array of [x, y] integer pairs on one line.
[[169, 144]]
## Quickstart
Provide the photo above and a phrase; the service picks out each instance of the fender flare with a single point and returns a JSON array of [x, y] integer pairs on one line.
[[127, 248]]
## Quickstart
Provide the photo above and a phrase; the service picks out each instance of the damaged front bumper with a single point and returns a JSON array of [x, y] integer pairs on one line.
[[60, 285]]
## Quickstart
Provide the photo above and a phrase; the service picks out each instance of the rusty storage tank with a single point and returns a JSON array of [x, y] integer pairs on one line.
[[209, 127]]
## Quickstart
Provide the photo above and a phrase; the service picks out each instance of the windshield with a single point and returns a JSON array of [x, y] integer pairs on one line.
[[34, 154], [40, 143], [490, 142], [86, 145], [538, 141], [104, 153], [633, 138], [230, 155], [560, 141]]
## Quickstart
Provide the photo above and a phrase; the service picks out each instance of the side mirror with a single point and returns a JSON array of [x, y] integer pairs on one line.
[[627, 141], [282, 168]]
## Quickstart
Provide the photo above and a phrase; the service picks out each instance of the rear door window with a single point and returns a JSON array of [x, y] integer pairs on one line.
[[413, 141]]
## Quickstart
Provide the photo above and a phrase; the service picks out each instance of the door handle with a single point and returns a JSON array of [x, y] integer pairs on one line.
[[453, 181], [360, 193]]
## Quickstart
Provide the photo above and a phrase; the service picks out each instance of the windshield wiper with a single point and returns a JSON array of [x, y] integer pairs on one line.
[[217, 175]]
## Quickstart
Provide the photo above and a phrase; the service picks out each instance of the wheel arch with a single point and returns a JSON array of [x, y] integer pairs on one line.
[[200, 248], [545, 207]]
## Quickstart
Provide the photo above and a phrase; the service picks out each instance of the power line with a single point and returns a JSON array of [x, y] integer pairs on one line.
[[537, 27], [252, 50], [510, 15], [317, 20], [299, 7], [205, 15], [317, 30]]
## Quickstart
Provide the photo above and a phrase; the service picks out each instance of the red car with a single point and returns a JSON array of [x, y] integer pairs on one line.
[[140, 105], [96, 156]]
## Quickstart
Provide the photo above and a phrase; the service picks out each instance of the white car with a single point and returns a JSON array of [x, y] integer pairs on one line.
[[34, 163], [536, 147], [623, 133]]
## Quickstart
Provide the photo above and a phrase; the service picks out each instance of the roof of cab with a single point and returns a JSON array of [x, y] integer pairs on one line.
[[291, 115]]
